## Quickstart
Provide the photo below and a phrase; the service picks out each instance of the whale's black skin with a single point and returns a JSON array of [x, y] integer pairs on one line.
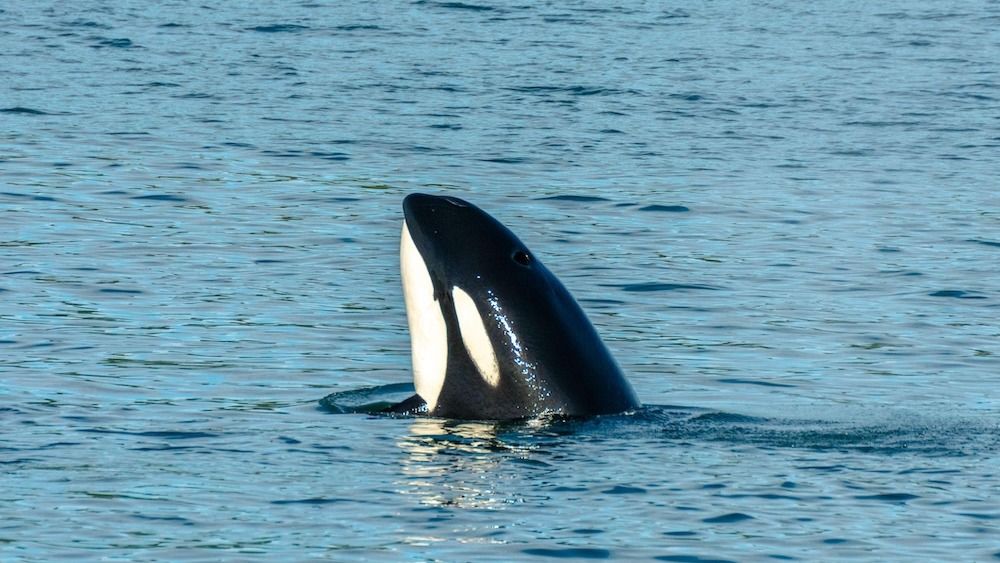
[[548, 357]]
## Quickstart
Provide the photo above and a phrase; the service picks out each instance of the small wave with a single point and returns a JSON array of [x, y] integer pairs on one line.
[[366, 400], [278, 28], [881, 433], [357, 27], [576, 198], [569, 552], [666, 208], [24, 111], [956, 294], [572, 90], [460, 6], [985, 242], [116, 43], [161, 197], [656, 286]]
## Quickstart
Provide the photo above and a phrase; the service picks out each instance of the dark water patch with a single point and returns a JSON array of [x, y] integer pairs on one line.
[[53, 445], [666, 208], [602, 302], [199, 96], [161, 197], [334, 156], [165, 434], [922, 470], [530, 462], [357, 27], [20, 110], [176, 519], [677, 13], [765, 496], [853, 152], [687, 97], [116, 43], [576, 198], [624, 490], [163, 448], [655, 286], [901, 434], [730, 518], [572, 90], [690, 559], [956, 294], [269, 261], [714, 417], [158, 84], [569, 553], [507, 159], [884, 123], [89, 24], [313, 501], [994, 244], [29, 196], [278, 28], [681, 534], [460, 6], [120, 291], [588, 531], [285, 153], [753, 382], [888, 497], [981, 516], [20, 461]]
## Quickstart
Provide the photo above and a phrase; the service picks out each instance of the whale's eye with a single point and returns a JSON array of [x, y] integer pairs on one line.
[[522, 258]]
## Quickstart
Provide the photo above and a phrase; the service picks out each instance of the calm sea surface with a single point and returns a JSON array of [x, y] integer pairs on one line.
[[783, 218]]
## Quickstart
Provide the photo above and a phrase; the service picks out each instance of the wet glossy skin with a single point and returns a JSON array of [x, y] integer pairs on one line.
[[549, 356]]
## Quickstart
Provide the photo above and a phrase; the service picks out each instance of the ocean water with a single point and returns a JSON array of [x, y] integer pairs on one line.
[[783, 219]]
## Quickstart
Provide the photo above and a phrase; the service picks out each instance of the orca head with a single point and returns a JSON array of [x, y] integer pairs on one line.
[[493, 333]]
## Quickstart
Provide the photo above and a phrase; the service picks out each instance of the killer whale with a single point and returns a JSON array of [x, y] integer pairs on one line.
[[494, 334]]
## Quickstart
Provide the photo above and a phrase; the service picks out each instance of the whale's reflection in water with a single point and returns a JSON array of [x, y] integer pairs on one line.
[[466, 464]]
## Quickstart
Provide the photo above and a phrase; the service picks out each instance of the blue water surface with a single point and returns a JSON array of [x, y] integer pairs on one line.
[[783, 218]]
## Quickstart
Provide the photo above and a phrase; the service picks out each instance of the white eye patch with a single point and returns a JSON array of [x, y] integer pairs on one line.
[[474, 336], [428, 333]]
